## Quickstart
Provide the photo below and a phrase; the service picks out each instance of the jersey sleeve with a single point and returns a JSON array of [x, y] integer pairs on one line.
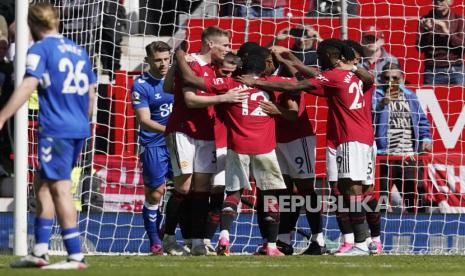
[[139, 96], [36, 61], [217, 85], [196, 68]]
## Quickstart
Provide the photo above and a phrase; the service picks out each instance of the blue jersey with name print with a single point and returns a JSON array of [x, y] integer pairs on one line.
[[65, 75], [147, 91]]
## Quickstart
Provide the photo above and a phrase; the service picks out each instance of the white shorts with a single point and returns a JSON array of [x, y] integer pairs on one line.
[[297, 158], [218, 179], [189, 155], [265, 169], [352, 160]]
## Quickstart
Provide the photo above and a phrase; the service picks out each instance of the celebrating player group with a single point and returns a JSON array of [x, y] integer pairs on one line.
[[238, 116], [210, 122]]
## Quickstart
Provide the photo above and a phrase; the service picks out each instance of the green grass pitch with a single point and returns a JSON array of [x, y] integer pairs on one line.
[[254, 265]]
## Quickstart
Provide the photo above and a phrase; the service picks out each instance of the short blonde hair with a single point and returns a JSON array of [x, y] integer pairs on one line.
[[43, 16]]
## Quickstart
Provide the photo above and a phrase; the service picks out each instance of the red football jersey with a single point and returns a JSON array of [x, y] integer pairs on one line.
[[196, 122], [249, 129], [349, 115], [287, 131]]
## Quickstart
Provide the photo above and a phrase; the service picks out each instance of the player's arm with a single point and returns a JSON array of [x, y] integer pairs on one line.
[[168, 84], [188, 76], [289, 87], [145, 122], [363, 74], [92, 97], [290, 113], [192, 100], [293, 64], [18, 98]]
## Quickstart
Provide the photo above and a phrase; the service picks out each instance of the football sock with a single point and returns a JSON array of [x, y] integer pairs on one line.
[[314, 217], [72, 243], [184, 217], [42, 232], [373, 216], [214, 214], [357, 218], [199, 212], [349, 238], [318, 237], [342, 216], [172, 212], [229, 210], [260, 215], [150, 215], [271, 218]]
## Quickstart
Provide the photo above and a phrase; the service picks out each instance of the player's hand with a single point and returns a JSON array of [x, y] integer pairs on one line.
[[312, 33], [426, 24], [427, 147], [189, 58], [442, 25], [236, 95], [247, 80], [282, 34], [269, 108], [278, 49]]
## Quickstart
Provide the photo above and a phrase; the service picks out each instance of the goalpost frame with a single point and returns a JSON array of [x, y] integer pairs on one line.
[[21, 135]]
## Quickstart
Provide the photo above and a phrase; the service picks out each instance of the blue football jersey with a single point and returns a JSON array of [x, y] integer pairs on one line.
[[147, 91], [65, 74]]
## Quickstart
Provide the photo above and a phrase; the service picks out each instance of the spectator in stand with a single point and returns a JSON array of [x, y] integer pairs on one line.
[[441, 40], [375, 54], [401, 129], [304, 47], [331, 8], [6, 88], [257, 8]]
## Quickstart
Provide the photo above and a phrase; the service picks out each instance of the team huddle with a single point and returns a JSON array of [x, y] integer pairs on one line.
[[242, 116], [211, 122]]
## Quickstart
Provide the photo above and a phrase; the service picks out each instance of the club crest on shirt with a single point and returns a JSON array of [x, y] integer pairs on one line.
[[184, 164]]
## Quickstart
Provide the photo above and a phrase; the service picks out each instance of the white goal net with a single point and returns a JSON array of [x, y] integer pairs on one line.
[[108, 185]]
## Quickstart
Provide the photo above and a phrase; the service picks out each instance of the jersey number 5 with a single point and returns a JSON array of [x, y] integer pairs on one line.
[[76, 81]]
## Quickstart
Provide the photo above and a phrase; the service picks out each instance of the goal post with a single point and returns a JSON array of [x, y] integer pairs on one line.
[[110, 185]]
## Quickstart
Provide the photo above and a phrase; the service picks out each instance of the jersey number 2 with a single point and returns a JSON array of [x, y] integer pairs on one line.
[[80, 79], [357, 88]]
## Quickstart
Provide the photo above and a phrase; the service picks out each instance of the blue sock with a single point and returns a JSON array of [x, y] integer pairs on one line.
[[150, 215], [72, 243], [42, 232]]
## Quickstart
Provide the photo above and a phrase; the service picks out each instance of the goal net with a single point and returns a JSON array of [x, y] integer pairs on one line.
[[107, 182]]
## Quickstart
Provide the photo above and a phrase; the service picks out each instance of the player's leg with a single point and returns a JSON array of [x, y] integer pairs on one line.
[[45, 213], [269, 181], [373, 215], [57, 177], [155, 170], [237, 179], [353, 160], [216, 199], [204, 167], [288, 218], [182, 151]]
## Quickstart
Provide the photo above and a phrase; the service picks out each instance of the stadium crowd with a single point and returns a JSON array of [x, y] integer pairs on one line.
[[213, 120]]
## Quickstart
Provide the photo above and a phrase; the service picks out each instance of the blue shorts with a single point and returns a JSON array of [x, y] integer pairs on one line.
[[156, 166], [57, 157]]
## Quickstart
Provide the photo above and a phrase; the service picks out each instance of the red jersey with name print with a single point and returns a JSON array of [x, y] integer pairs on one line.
[[249, 129], [195, 122], [349, 104]]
